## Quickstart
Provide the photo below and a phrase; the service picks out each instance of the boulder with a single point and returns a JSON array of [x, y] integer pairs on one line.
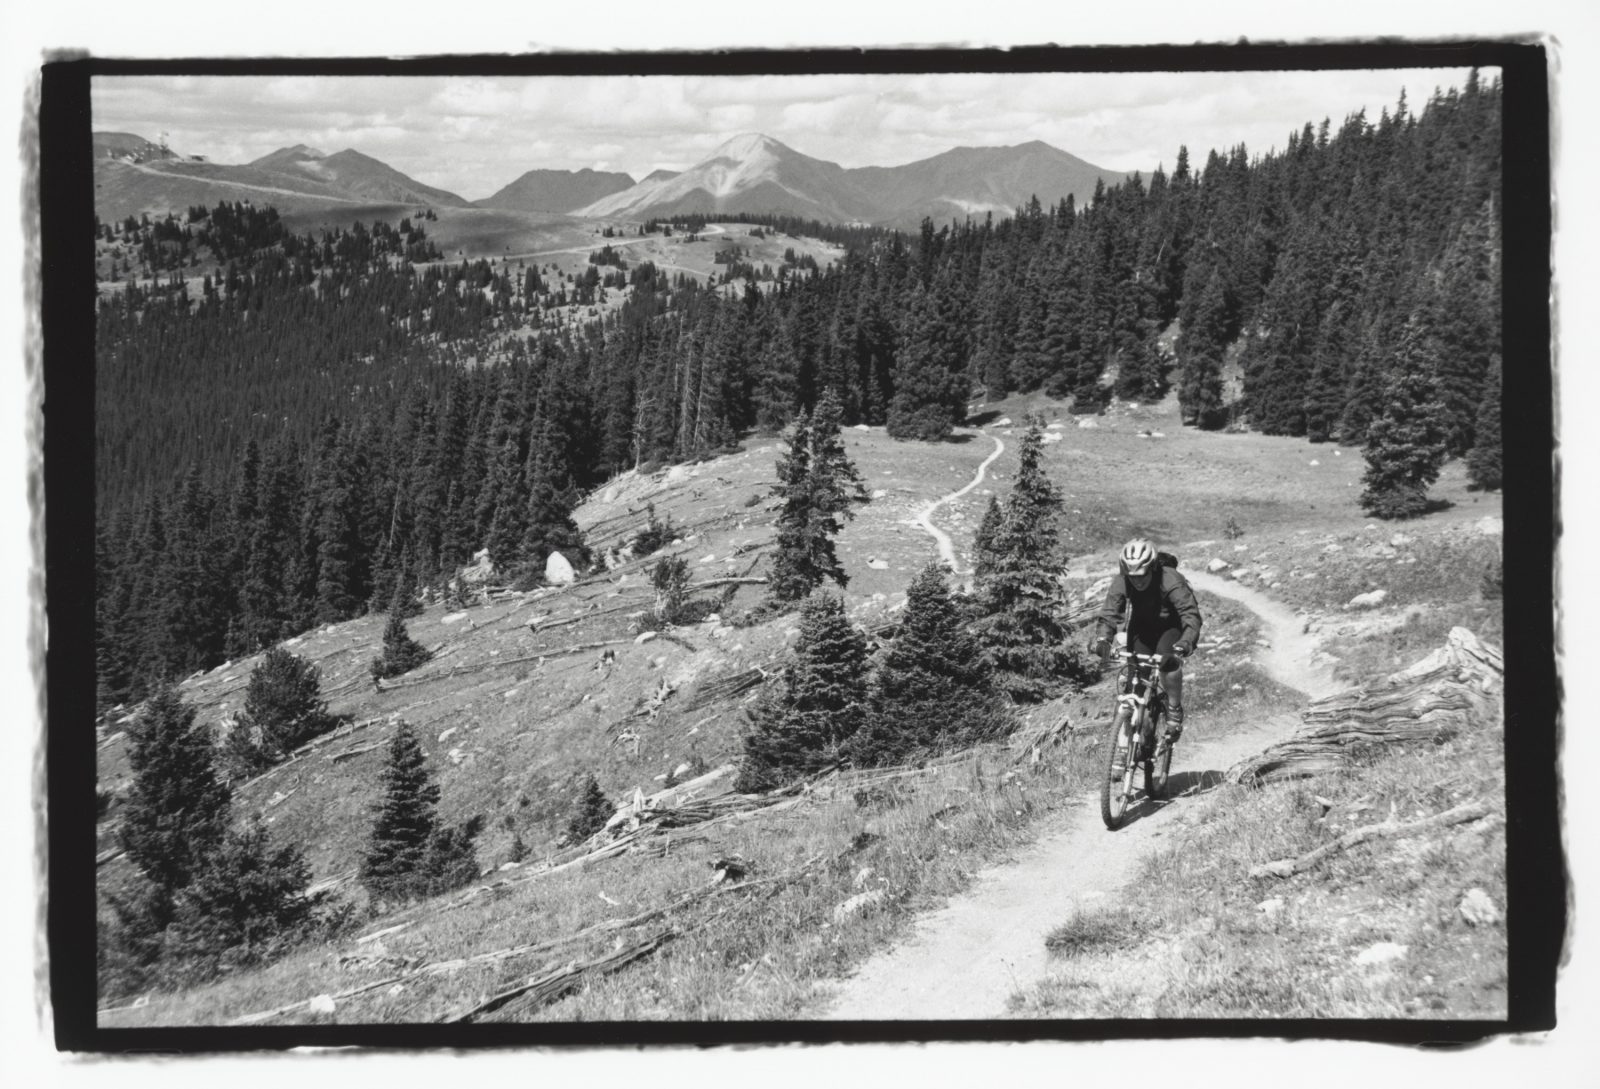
[[1369, 600], [1004, 421], [1218, 565], [1089, 423], [878, 565], [1050, 436], [557, 571], [1381, 953], [879, 493], [862, 427], [1478, 909]]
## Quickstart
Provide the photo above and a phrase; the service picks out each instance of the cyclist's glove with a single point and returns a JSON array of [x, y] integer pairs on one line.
[[1182, 650]]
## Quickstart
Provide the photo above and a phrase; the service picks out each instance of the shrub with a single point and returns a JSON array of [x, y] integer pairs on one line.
[[283, 709], [655, 534], [1232, 531], [591, 814], [401, 653]]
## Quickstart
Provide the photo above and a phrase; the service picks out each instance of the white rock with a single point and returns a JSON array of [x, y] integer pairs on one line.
[[1369, 600], [453, 618], [1400, 540], [878, 565], [677, 474], [610, 496], [1314, 461], [1218, 564], [1240, 547], [1478, 909], [1050, 436], [1333, 546], [862, 427], [557, 571], [879, 494], [323, 1003], [456, 756], [1381, 953], [709, 557], [1004, 421], [1088, 423], [448, 732], [1490, 527], [857, 903], [1158, 434], [644, 637], [1054, 427], [1270, 907]]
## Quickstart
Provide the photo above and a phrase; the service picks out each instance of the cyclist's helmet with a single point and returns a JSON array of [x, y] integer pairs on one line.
[[1138, 555]]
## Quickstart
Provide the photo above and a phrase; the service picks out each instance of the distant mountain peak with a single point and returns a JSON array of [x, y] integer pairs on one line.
[[748, 145]]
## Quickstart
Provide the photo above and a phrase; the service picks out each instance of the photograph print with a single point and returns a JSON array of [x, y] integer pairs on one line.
[[769, 554]]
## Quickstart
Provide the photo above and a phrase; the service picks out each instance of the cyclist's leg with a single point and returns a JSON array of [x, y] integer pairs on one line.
[[1171, 679]]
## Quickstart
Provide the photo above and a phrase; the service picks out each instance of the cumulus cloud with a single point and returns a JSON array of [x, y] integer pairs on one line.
[[474, 134]]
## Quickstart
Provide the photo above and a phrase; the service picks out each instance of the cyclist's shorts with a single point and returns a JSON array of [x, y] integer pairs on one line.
[[1156, 641]]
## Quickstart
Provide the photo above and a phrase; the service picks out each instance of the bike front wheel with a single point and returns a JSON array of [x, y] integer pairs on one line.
[[1116, 785], [1160, 762]]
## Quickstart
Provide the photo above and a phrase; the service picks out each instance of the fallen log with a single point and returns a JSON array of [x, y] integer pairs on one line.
[[1030, 748], [1454, 689], [1288, 867], [553, 985]]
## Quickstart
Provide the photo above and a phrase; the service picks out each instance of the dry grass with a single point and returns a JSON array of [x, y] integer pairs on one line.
[[1216, 942]]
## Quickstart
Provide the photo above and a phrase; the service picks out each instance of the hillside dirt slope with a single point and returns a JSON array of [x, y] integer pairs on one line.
[[965, 960]]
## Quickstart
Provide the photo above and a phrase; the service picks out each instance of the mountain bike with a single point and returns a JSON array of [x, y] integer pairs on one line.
[[1136, 740]]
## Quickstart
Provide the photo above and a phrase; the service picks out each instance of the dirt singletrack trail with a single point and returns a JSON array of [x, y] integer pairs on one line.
[[965, 960], [924, 518]]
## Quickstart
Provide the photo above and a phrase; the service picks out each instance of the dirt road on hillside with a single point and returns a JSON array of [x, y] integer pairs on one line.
[[965, 960]]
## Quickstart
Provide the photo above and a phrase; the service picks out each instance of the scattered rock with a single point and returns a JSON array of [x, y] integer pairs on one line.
[[862, 427], [1314, 461], [677, 474], [558, 571], [1381, 953], [1218, 564], [323, 1003], [1400, 540], [1489, 527], [1089, 423], [453, 618], [1271, 907], [1054, 427], [448, 732], [1004, 421], [610, 496], [857, 903], [879, 494], [1050, 436], [644, 637], [1478, 909], [878, 565], [1369, 600], [456, 756], [709, 557], [1333, 546]]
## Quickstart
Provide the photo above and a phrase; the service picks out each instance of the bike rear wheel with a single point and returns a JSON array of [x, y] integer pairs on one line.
[[1116, 786]]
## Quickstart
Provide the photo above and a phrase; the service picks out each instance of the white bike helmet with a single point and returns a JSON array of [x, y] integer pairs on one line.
[[1137, 556]]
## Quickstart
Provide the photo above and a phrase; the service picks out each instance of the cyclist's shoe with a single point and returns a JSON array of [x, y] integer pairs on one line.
[[1174, 723]]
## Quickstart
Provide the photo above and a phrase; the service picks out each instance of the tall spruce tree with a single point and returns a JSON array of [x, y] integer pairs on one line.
[[405, 820], [591, 813], [1484, 463], [1018, 601], [932, 690], [178, 809], [808, 719], [817, 482], [1406, 443]]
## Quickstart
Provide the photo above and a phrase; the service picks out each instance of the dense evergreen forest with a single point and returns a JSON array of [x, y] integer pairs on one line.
[[328, 417]]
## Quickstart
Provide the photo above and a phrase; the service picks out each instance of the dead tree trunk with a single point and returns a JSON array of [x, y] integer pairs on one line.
[[1457, 687]]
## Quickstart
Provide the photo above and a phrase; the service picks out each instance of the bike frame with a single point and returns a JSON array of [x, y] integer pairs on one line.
[[1133, 744], [1141, 685]]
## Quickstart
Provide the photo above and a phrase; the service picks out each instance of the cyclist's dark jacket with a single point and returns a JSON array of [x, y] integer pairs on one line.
[[1167, 603]]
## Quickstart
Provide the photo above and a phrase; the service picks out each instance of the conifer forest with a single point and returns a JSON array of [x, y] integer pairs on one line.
[[339, 415]]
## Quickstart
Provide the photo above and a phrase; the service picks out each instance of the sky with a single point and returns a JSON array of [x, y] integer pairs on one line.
[[474, 135]]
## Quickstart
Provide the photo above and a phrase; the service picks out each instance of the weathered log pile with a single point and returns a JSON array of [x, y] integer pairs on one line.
[[1456, 688]]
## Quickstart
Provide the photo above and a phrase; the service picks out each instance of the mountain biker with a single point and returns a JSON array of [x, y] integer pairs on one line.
[[1164, 617]]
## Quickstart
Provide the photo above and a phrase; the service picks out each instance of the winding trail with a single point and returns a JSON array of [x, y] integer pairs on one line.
[[965, 960], [924, 520]]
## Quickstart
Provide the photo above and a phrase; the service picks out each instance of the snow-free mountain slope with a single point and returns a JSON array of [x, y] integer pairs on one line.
[[556, 190]]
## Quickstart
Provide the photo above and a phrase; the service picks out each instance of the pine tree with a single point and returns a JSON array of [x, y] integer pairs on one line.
[[592, 812], [669, 576], [401, 653], [808, 719], [1484, 463], [178, 809], [405, 821], [1406, 443], [931, 369], [932, 689], [283, 709], [1018, 603], [247, 904], [817, 482], [985, 541]]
